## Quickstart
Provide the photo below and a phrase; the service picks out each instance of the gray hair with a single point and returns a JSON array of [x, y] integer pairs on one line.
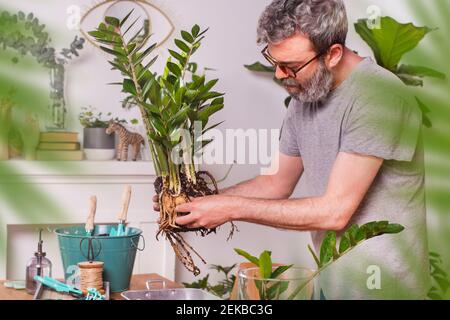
[[323, 21]]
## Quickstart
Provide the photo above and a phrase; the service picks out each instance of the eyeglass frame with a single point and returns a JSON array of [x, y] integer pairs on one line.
[[276, 64]]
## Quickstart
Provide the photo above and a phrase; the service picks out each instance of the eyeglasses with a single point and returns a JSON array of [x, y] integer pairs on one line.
[[292, 73]]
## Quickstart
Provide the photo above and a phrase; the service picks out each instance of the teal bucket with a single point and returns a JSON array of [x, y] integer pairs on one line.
[[117, 253]]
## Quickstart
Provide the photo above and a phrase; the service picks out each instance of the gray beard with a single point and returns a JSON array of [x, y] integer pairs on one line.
[[316, 88]]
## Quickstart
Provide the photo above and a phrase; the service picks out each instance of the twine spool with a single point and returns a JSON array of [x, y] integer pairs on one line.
[[91, 275]]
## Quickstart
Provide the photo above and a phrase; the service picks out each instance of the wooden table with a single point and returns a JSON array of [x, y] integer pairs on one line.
[[137, 283]]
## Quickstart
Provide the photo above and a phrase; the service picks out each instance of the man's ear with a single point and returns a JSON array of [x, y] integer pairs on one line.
[[334, 55]]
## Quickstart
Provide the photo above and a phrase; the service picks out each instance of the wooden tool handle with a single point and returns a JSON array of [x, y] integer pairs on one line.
[[125, 204], [92, 209]]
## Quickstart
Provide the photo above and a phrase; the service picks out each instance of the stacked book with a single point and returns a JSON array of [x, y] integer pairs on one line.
[[60, 146]]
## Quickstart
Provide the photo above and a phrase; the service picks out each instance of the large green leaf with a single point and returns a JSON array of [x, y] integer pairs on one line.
[[259, 67], [391, 41], [112, 21], [327, 248], [247, 256], [419, 71], [265, 265]]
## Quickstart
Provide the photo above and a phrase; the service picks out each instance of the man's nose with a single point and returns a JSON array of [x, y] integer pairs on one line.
[[279, 74]]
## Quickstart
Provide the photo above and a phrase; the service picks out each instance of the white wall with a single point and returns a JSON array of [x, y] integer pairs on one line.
[[251, 101]]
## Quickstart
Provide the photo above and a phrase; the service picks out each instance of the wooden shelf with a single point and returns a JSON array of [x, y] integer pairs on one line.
[[79, 168]]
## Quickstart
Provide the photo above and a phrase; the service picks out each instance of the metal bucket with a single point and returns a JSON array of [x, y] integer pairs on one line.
[[117, 253]]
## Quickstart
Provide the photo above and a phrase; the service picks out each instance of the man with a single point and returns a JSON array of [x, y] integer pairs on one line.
[[355, 143]]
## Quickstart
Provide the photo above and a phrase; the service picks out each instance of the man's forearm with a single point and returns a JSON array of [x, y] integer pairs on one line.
[[261, 187], [295, 214]]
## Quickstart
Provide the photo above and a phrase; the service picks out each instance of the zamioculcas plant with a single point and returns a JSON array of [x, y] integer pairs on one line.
[[351, 238], [176, 108], [223, 288], [329, 253], [267, 290]]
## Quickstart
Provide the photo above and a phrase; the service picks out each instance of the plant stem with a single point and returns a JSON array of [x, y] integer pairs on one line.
[[140, 102]]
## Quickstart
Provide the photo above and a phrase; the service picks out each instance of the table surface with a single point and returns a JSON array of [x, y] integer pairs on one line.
[[137, 283]]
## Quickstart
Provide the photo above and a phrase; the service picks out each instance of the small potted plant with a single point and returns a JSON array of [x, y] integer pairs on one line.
[[98, 146]]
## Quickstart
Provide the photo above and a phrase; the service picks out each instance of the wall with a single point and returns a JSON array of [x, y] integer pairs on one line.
[[251, 101]]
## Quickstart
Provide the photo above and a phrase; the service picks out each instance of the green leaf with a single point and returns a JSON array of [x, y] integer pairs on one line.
[[120, 67], [112, 43], [178, 56], [182, 45], [279, 271], [144, 54], [158, 126], [208, 86], [420, 72], [265, 265], [393, 228], [207, 112], [274, 292], [345, 243], [187, 37], [113, 52], [192, 67], [391, 41], [316, 259], [202, 33], [174, 69], [210, 95], [112, 21], [130, 27], [152, 108], [247, 256], [327, 248], [425, 111], [97, 34], [146, 88], [195, 30], [126, 18], [179, 118], [129, 87], [259, 67], [212, 127]]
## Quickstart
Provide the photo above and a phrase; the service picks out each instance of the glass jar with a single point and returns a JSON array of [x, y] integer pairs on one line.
[[39, 265], [294, 284]]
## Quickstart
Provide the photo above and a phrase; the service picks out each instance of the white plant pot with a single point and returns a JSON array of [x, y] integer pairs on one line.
[[100, 154]]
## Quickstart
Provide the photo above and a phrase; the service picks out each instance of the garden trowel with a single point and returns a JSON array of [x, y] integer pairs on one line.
[[122, 217], [89, 227]]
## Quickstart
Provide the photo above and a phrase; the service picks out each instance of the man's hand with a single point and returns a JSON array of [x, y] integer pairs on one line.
[[208, 212]]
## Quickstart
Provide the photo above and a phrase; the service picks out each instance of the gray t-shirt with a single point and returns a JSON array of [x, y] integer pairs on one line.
[[368, 115]]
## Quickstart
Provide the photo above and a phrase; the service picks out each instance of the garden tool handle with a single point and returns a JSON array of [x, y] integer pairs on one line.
[[122, 217], [92, 208]]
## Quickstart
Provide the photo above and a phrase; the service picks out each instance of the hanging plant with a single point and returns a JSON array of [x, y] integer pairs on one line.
[[173, 105], [26, 35]]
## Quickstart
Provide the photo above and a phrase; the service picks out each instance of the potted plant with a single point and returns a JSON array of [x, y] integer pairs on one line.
[[98, 145], [171, 105], [264, 280]]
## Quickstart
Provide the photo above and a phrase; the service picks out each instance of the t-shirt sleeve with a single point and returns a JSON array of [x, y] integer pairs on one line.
[[288, 134], [384, 126]]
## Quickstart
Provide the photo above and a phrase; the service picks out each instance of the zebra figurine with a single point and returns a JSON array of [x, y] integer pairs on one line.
[[126, 138]]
